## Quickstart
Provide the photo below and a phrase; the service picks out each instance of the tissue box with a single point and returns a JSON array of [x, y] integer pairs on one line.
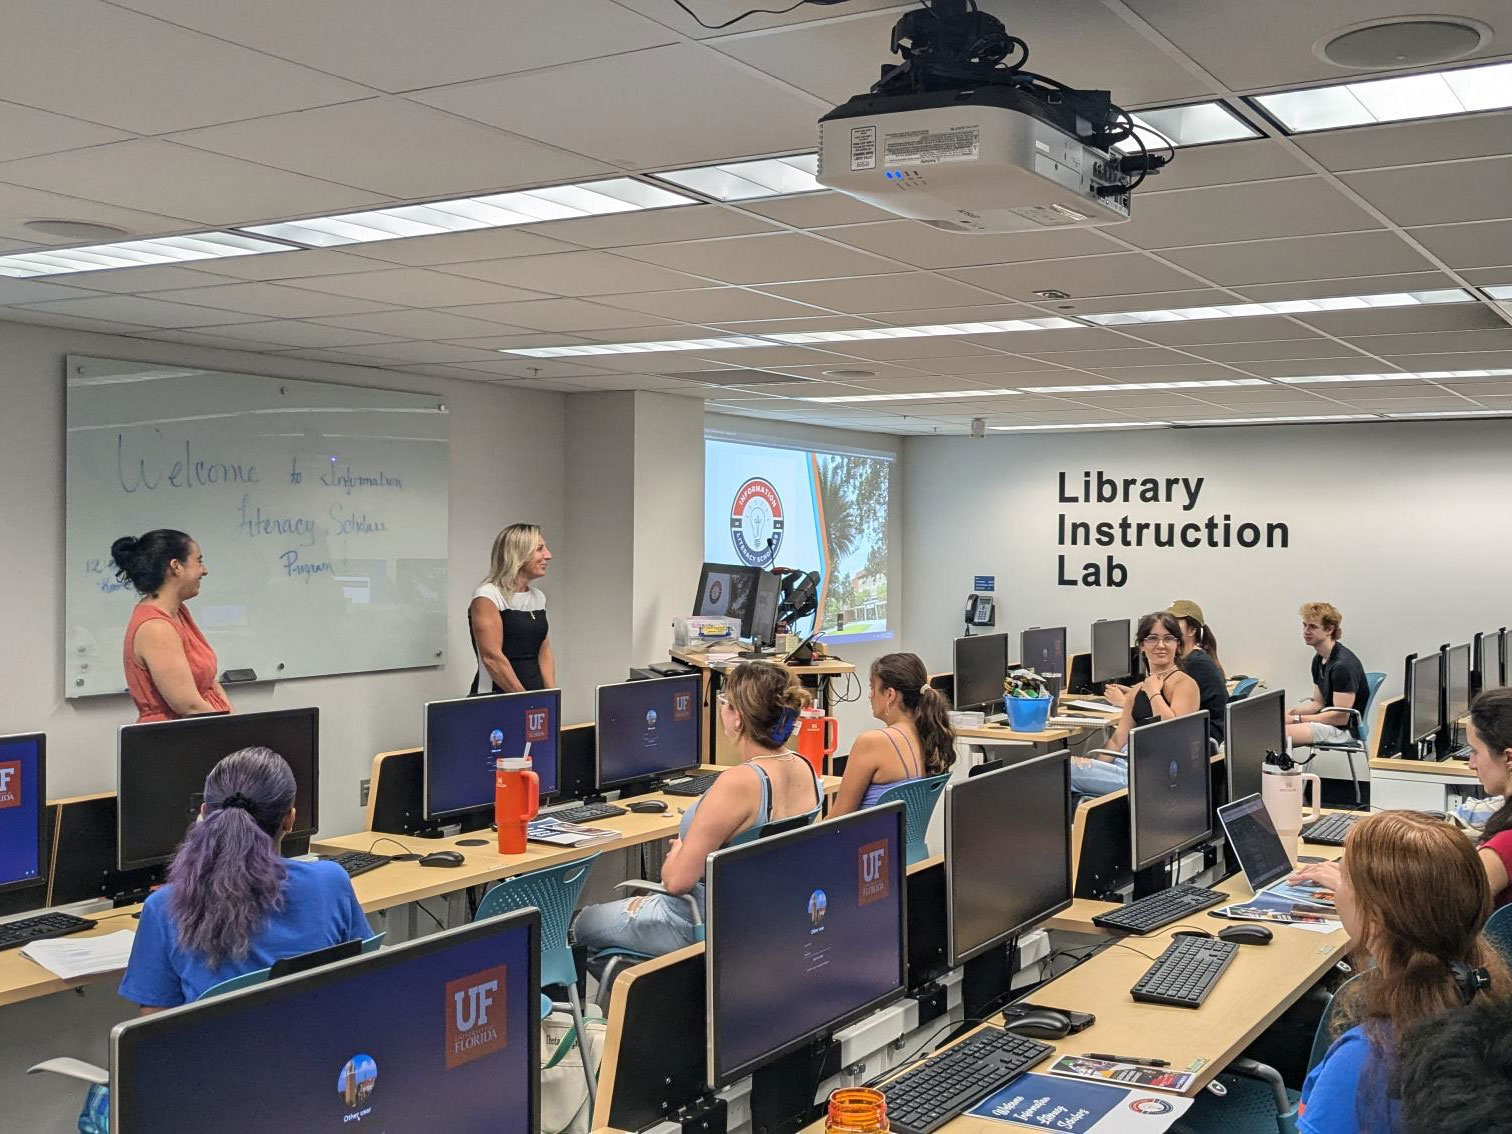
[[700, 633]]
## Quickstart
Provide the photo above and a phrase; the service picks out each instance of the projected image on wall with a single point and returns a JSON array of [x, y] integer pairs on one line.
[[808, 510]]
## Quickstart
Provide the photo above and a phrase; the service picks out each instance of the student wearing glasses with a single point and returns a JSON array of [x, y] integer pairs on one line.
[[1165, 694], [1338, 682]]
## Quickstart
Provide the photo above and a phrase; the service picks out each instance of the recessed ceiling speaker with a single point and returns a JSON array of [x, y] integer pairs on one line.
[[75, 229], [1403, 41], [853, 374]]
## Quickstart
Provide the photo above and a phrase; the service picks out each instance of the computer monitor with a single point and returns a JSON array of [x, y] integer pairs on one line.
[[1170, 788], [1255, 725], [1456, 683], [1043, 649], [805, 934], [646, 728], [464, 737], [23, 798], [381, 1041], [741, 593], [161, 769], [1424, 709], [1488, 661], [1110, 649], [980, 662], [1007, 852]]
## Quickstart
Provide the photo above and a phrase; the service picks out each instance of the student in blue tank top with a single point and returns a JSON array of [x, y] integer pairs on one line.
[[917, 741], [233, 904], [758, 709], [1413, 896]]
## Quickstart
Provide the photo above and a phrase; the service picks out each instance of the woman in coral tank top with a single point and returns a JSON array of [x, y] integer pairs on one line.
[[170, 668]]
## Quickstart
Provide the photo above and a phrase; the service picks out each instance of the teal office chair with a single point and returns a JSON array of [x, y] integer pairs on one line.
[[1352, 747], [1244, 688], [1499, 932], [258, 976], [919, 799], [1256, 1101], [554, 891]]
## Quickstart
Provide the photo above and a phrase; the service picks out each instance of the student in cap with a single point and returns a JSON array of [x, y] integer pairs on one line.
[[1200, 663]]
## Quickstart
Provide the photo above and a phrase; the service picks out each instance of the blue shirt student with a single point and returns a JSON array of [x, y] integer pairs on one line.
[[318, 909], [1346, 1092]]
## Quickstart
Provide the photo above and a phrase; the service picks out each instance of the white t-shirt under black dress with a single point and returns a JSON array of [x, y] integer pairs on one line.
[[524, 617]]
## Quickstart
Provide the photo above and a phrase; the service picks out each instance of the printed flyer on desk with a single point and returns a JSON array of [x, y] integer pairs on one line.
[[1048, 1102]]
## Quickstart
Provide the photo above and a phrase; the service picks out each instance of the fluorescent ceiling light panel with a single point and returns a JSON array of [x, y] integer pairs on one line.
[[1091, 425], [1436, 94], [798, 338], [1195, 125], [1500, 291], [136, 253], [1451, 413], [1396, 376], [1283, 307], [918, 397], [1121, 387], [750, 180], [496, 210]]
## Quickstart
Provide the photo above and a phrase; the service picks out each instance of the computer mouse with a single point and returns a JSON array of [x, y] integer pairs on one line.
[[654, 805], [1191, 933], [442, 858], [1246, 934], [1042, 1023]]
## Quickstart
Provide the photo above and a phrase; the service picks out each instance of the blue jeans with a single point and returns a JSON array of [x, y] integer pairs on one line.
[[1092, 777], [651, 924]]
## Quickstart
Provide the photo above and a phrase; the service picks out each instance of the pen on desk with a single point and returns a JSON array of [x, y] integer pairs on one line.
[[1134, 1059]]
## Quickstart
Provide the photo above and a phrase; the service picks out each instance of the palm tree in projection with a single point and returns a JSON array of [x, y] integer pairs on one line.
[[842, 524]]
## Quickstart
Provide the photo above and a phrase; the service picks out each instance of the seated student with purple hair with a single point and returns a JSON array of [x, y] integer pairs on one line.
[[233, 904]]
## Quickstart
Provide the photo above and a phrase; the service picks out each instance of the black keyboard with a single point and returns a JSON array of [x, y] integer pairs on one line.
[[16, 933], [1149, 914], [1460, 753], [1185, 973], [356, 862], [1330, 830], [586, 813], [948, 1083], [691, 785]]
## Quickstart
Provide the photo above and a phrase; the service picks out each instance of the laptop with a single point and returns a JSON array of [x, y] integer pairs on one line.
[[1253, 836]]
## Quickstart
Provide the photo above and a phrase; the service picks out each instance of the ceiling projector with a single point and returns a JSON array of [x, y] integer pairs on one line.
[[961, 139]]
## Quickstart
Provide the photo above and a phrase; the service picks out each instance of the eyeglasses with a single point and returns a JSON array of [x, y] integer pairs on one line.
[[1154, 642], [723, 700]]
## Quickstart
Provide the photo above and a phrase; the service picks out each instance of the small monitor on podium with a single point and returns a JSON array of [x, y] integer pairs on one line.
[[161, 769], [805, 935], [980, 664], [23, 800], [1256, 725], [441, 1033], [1007, 853], [741, 593], [1110, 650], [463, 738], [1170, 788], [1424, 707]]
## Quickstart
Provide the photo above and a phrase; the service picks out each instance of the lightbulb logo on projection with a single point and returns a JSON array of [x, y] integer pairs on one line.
[[756, 523]]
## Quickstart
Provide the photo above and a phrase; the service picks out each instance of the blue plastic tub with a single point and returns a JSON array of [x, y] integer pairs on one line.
[[1027, 714]]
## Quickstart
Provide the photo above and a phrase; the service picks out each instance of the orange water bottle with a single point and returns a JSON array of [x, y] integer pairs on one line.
[[818, 736], [857, 1110], [517, 798]]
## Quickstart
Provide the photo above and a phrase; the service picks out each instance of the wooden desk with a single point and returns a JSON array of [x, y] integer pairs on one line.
[[1417, 784], [1002, 734], [21, 979]]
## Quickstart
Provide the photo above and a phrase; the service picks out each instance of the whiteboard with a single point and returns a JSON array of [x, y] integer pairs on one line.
[[321, 511]]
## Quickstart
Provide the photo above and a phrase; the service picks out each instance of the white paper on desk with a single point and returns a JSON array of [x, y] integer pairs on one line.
[[73, 957]]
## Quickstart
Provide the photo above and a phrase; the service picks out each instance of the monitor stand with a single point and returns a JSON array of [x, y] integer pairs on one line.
[[131, 887], [986, 981], [1153, 879], [782, 1092], [630, 790]]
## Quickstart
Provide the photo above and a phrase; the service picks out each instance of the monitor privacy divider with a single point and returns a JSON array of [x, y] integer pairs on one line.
[[161, 769], [1170, 788], [23, 798], [1256, 725], [464, 737], [647, 728], [440, 1033], [1007, 852], [805, 934]]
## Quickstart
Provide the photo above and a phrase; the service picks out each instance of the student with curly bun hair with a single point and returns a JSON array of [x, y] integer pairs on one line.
[[758, 710], [916, 742], [170, 668]]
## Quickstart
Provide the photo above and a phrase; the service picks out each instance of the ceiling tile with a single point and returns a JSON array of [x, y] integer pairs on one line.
[[30, 315], [1440, 342], [271, 301], [503, 366], [1146, 301], [295, 265], [656, 226], [1300, 367], [1165, 372], [141, 310], [422, 352], [701, 105], [1299, 206], [977, 313], [393, 147], [813, 210], [1131, 355], [1243, 353], [1227, 164], [717, 12], [778, 326], [13, 291], [1437, 194], [456, 247], [1261, 328], [903, 291], [778, 258], [159, 277], [397, 45], [655, 332], [1484, 244], [708, 305], [568, 315], [415, 324], [154, 175], [25, 132], [578, 274], [415, 287], [1462, 360], [19, 204], [1411, 143], [1387, 321], [927, 247], [135, 73], [991, 366], [1300, 258], [1356, 285], [1123, 273], [293, 333]]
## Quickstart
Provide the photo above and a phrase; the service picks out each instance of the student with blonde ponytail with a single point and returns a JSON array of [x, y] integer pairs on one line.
[[917, 741], [233, 904]]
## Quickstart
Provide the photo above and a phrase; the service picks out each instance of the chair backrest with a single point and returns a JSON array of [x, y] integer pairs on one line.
[[1245, 687], [920, 797], [246, 980], [776, 826], [1323, 1037], [1373, 683], [375, 942], [314, 959], [554, 891], [1499, 932]]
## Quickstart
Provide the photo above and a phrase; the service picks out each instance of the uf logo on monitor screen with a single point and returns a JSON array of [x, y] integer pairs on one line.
[[535, 724], [873, 870], [474, 1016], [10, 783], [682, 706]]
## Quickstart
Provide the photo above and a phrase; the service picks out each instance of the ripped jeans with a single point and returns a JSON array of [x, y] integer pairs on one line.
[[651, 924]]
